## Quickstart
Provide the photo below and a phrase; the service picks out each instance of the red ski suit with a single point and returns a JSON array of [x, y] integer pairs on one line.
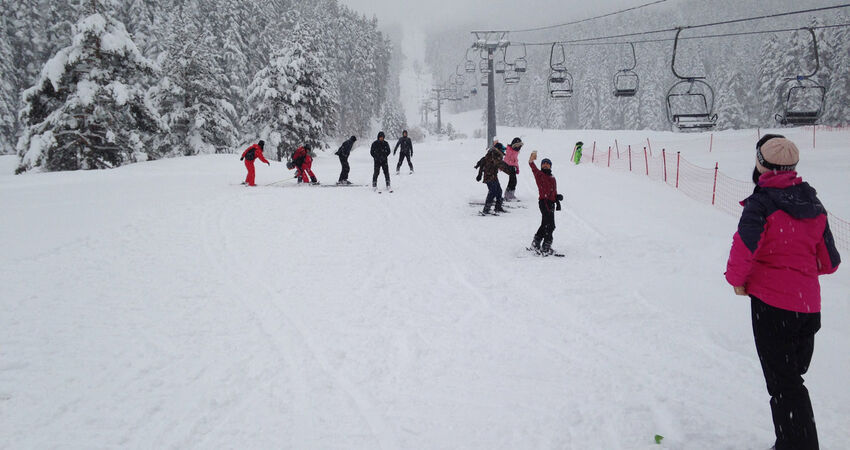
[[305, 171], [249, 163]]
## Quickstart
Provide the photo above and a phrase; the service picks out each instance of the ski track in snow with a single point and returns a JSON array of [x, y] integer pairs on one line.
[[173, 308]]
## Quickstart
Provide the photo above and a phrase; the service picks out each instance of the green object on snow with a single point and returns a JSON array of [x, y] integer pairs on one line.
[[658, 438]]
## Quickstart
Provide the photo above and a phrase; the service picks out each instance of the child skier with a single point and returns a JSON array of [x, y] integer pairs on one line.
[[488, 170], [550, 201], [406, 151], [512, 162], [577, 152], [304, 162], [343, 152], [249, 155], [782, 245]]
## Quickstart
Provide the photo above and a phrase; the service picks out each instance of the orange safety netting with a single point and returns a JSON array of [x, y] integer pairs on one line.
[[706, 185]]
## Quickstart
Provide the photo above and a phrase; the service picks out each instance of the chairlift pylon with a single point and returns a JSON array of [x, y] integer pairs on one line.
[[560, 81], [690, 101], [805, 97], [626, 81]]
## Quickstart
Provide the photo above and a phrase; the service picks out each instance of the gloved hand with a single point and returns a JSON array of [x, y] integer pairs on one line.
[[242, 159], [559, 197], [478, 178], [269, 164], [558, 205]]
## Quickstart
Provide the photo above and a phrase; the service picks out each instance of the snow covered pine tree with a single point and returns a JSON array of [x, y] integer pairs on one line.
[[88, 110]]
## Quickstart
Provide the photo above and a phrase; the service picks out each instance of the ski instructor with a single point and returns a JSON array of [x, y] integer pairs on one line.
[[249, 155], [380, 151], [406, 151]]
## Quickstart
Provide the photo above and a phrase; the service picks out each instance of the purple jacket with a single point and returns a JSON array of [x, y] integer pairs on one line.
[[512, 158], [782, 244]]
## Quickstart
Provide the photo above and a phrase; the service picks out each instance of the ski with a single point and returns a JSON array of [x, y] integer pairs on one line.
[[343, 185], [503, 205], [484, 214]]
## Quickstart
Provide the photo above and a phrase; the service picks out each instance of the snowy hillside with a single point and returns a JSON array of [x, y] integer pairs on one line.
[[162, 305]]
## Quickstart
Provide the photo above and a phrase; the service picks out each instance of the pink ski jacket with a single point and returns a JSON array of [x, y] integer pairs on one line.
[[782, 244], [512, 158]]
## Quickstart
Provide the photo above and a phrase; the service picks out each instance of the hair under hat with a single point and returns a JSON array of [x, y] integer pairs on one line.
[[546, 161]]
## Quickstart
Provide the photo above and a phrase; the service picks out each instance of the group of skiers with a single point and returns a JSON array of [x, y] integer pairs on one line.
[[498, 158], [302, 160]]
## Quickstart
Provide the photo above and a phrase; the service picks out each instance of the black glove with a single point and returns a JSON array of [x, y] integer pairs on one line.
[[268, 163], [558, 205], [242, 159], [559, 197], [478, 178]]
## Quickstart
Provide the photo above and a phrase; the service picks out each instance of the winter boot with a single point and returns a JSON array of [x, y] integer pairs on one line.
[[546, 248], [535, 244], [509, 195]]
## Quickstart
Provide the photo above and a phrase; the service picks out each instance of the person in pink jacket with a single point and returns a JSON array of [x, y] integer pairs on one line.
[[782, 245], [512, 162]]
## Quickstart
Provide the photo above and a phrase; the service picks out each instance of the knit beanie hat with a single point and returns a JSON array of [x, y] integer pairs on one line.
[[579, 144], [546, 161], [500, 147], [353, 138], [380, 134], [261, 143], [516, 141], [777, 154]]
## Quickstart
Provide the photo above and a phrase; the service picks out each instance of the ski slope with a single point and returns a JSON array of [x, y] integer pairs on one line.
[[162, 305]]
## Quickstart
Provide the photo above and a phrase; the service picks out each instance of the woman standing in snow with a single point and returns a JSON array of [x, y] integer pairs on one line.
[[249, 155], [782, 245], [512, 161], [549, 202]]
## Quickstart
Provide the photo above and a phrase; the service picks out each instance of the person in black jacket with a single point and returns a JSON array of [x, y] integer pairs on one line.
[[380, 152], [406, 151], [343, 152]]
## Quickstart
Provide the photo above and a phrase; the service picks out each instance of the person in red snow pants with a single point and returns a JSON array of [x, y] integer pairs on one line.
[[249, 155], [304, 162]]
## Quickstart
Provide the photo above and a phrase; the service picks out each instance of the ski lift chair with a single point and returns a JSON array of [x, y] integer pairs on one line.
[[560, 81], [511, 75], [521, 63], [626, 81], [805, 97], [469, 65], [690, 101], [485, 80]]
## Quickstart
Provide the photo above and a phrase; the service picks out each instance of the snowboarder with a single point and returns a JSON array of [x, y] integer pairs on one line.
[[406, 151], [249, 155], [380, 151], [488, 173], [303, 161], [549, 202], [512, 162], [343, 152], [577, 152], [783, 243]]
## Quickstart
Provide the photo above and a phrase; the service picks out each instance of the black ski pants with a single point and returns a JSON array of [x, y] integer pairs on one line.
[[379, 165], [401, 158], [511, 178], [494, 192], [343, 160], [785, 341], [547, 223]]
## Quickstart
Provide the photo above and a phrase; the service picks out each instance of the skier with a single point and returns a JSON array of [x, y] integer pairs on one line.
[[577, 152], [304, 163], [550, 201], [406, 151], [783, 243], [343, 152], [380, 151], [512, 162], [488, 172], [249, 155]]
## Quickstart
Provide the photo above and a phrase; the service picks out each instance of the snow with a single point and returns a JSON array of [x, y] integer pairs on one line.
[[174, 308]]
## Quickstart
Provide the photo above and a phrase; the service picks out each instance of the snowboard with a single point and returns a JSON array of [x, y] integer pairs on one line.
[[534, 252]]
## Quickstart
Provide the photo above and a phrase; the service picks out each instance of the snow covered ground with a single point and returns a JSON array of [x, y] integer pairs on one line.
[[162, 305]]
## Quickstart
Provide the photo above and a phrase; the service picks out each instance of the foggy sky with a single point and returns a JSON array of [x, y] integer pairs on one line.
[[499, 14]]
